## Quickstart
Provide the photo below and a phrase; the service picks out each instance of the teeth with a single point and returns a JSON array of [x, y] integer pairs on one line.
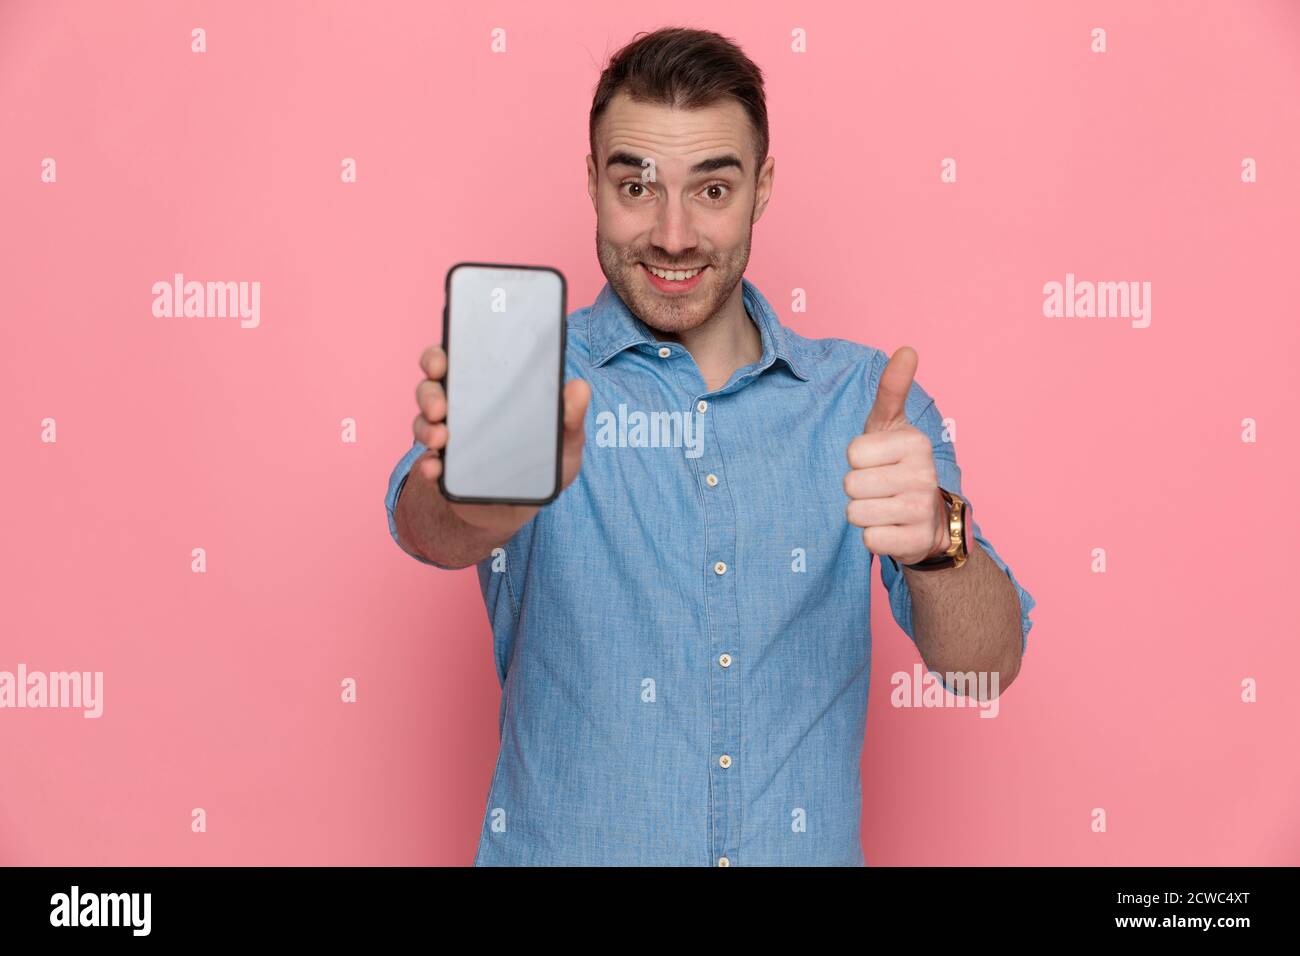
[[677, 276]]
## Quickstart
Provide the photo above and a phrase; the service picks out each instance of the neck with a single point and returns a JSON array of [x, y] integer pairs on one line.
[[725, 342]]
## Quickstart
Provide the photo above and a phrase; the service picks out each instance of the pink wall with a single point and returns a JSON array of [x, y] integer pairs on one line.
[[222, 689]]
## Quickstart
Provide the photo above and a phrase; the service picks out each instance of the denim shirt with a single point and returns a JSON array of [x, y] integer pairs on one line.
[[683, 637]]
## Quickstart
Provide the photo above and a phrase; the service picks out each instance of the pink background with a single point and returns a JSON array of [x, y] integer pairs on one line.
[[222, 690]]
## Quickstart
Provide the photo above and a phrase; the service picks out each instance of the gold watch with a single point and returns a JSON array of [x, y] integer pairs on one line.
[[959, 549]]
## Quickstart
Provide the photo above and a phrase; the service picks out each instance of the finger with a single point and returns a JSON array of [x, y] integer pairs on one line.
[[871, 450], [431, 399], [433, 362], [432, 435], [891, 393], [430, 467], [877, 512], [887, 539], [883, 481]]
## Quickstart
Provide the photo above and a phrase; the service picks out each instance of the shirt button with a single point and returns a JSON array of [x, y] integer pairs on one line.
[[702, 405], [665, 351], [724, 761], [725, 660], [723, 861], [712, 480], [720, 568]]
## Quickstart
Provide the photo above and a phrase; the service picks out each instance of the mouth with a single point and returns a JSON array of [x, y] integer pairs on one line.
[[673, 280]]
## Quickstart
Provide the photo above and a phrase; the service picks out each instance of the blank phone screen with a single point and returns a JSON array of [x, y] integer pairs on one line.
[[504, 335]]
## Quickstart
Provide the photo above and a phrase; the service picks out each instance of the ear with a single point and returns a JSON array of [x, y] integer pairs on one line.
[[592, 184], [763, 188]]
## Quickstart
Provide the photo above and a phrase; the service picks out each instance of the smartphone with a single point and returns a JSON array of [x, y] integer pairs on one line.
[[503, 329]]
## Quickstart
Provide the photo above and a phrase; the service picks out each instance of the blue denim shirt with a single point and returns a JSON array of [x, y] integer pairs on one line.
[[683, 637]]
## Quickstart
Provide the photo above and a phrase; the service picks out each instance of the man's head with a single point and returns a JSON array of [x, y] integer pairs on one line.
[[678, 172]]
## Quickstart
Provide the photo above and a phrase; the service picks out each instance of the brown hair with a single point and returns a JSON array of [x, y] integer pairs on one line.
[[684, 69]]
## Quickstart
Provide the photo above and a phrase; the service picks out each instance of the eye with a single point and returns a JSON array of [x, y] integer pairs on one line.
[[635, 184], [719, 186]]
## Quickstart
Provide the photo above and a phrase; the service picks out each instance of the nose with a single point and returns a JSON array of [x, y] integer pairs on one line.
[[673, 232]]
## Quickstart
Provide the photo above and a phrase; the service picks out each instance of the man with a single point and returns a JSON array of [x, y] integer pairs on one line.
[[683, 635]]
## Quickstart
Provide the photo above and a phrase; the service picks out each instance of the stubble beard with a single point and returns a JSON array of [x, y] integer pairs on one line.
[[623, 270]]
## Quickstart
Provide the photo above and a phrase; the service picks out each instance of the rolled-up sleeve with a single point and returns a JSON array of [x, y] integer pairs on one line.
[[924, 415], [396, 482]]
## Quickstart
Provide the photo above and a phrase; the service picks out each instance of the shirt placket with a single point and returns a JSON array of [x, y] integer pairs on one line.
[[725, 657]]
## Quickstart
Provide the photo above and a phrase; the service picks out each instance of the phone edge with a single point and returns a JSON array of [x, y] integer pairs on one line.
[[559, 429]]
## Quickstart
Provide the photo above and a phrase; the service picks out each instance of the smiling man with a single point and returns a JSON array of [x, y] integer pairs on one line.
[[684, 642]]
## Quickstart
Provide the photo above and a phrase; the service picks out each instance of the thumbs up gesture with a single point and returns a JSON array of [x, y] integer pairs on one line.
[[892, 485]]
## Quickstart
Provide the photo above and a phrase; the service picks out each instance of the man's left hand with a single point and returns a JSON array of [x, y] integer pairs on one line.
[[892, 485]]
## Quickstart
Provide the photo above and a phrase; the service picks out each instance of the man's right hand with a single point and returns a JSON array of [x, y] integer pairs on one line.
[[430, 429]]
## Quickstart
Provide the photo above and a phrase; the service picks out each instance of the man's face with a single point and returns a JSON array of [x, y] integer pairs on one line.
[[691, 209]]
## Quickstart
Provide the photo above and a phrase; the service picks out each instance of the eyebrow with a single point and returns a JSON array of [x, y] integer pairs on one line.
[[624, 158]]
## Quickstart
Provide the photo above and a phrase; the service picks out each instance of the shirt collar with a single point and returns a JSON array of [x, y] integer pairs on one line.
[[612, 327]]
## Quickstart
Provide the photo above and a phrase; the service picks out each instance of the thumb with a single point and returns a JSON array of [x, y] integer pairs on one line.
[[577, 395], [891, 394]]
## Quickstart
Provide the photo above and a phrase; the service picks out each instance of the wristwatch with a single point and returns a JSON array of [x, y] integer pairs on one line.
[[959, 549]]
